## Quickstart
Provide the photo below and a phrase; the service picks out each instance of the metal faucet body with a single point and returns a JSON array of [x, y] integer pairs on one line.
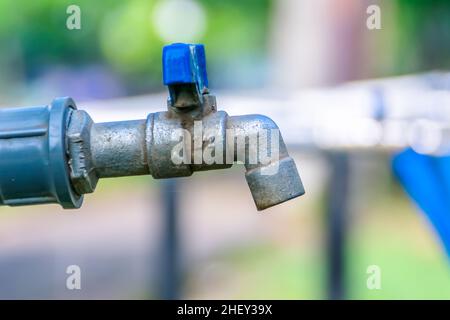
[[71, 153]]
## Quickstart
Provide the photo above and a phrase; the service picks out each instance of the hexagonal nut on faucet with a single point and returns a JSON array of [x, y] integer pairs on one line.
[[82, 170]]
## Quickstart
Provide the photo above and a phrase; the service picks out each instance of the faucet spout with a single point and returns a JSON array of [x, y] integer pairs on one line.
[[271, 175]]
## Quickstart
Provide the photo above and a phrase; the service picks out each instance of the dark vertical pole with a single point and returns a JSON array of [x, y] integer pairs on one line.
[[336, 221], [170, 250]]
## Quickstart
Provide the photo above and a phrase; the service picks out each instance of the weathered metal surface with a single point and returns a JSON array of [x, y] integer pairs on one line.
[[73, 152], [88, 151], [84, 178], [275, 180], [139, 147], [119, 148]]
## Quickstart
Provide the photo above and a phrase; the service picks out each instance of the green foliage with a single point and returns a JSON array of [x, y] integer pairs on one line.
[[424, 35], [120, 34]]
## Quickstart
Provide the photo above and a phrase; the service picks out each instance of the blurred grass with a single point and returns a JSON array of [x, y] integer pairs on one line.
[[105, 186], [387, 232], [391, 234], [103, 192], [398, 238], [269, 272]]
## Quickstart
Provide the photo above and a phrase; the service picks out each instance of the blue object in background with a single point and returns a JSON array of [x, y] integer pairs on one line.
[[427, 180]]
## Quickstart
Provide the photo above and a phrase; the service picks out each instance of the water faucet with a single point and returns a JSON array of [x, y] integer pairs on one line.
[[56, 153]]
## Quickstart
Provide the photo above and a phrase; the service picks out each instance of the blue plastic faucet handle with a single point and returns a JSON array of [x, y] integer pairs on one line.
[[185, 64]]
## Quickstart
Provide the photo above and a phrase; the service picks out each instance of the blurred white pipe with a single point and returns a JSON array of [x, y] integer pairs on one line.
[[387, 113]]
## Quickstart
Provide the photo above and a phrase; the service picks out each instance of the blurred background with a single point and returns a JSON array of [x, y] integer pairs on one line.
[[128, 243]]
